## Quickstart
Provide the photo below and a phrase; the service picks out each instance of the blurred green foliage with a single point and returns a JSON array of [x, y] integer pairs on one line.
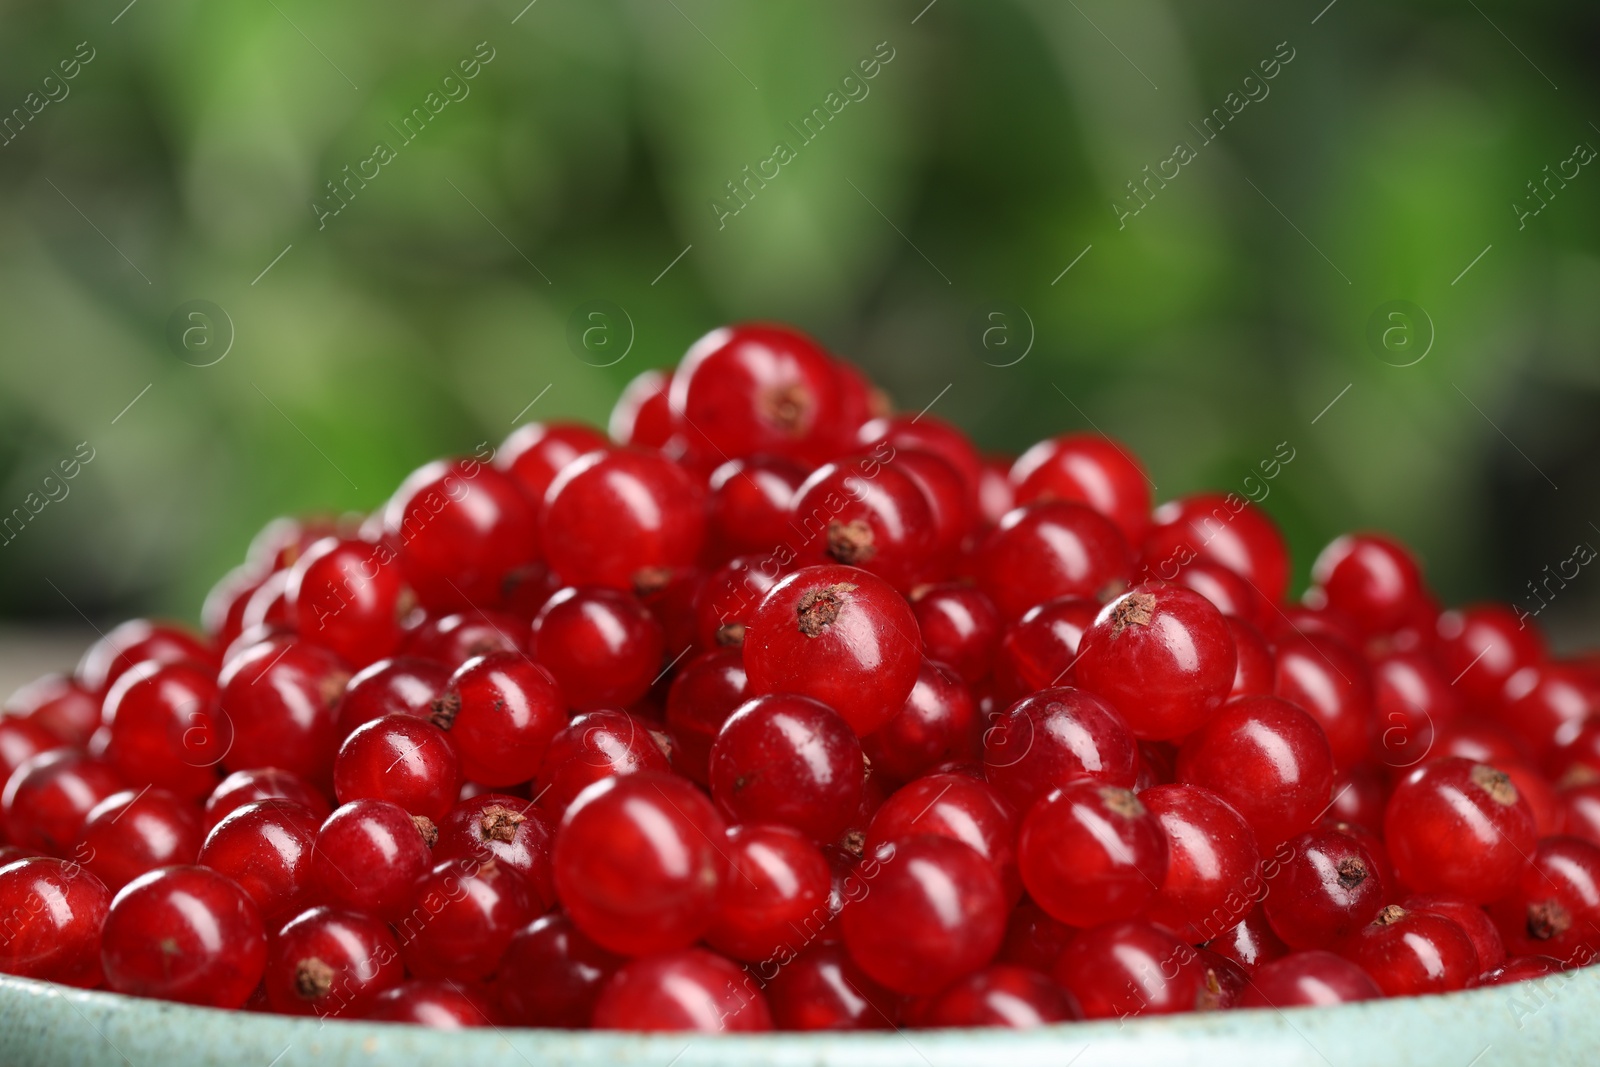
[[981, 161]]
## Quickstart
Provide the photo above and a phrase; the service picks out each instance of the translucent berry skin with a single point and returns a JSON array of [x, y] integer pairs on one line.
[[331, 964], [1413, 701], [839, 635], [865, 511], [1521, 969], [282, 698], [1086, 468], [262, 783], [1131, 968], [749, 503], [405, 685], [187, 934], [1039, 650], [1554, 909], [595, 745], [639, 863], [437, 1003], [601, 646], [1471, 918], [1254, 665], [938, 724], [451, 640], [1221, 528], [928, 433], [279, 543], [823, 989], [724, 603], [222, 612], [501, 711], [1546, 706], [1212, 858], [463, 918], [1458, 827], [951, 509], [1312, 979], [777, 889], [1046, 740], [1580, 811], [935, 911], [265, 849], [1091, 853], [1002, 995], [368, 857], [1229, 591], [54, 911], [512, 832], [757, 388], [1370, 579], [461, 528], [49, 796], [1329, 887], [402, 759], [961, 808], [349, 596], [1482, 646], [135, 831], [1411, 953], [1268, 759], [538, 451], [687, 989], [1162, 656], [1049, 550], [790, 760], [551, 974], [133, 642], [1329, 680], [611, 515], [165, 728], [22, 739], [59, 704], [706, 690], [1251, 943], [960, 627]]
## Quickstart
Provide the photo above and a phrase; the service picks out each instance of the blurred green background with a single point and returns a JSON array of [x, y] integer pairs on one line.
[[182, 160]]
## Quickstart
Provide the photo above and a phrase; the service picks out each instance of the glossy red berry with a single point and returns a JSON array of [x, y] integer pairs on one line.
[[551, 974], [951, 510], [1049, 550], [619, 518], [1039, 650], [281, 698], [1047, 740], [927, 433], [687, 989], [187, 934], [935, 911], [368, 856], [1224, 529], [54, 911], [865, 511], [133, 642], [601, 645], [437, 1003], [402, 686], [536, 452], [839, 635], [957, 806], [262, 783], [1229, 591], [49, 796], [1327, 678], [1360, 796], [501, 711], [1016, 998], [823, 989], [135, 831], [706, 690], [464, 914], [595, 745], [1212, 859], [165, 727], [639, 863], [58, 704], [451, 640], [222, 613], [960, 627], [1477, 924], [1162, 656], [1482, 646], [20, 740], [749, 503], [1254, 665], [1132, 968], [331, 964], [280, 542], [937, 724], [1327, 889], [1251, 943], [1313, 979], [1085, 468], [1409, 953], [1554, 908], [1413, 702], [348, 595], [510, 831], [1546, 706], [265, 848], [1268, 759], [777, 889], [1522, 969], [461, 529], [1369, 578], [790, 760], [1458, 827], [1091, 853], [727, 599], [402, 759]]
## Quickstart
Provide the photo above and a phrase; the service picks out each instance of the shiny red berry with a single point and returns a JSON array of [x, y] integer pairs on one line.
[[1327, 678], [135, 831], [1132, 968], [778, 884], [937, 724], [538, 451], [1091, 853], [1482, 646], [749, 503], [1048, 550], [596, 745], [404, 685], [1409, 953], [1047, 740], [1086, 468], [1039, 650], [865, 511], [187, 934], [823, 989], [601, 645], [281, 698], [552, 974], [133, 642], [265, 848], [642, 416], [349, 596], [1471, 918], [957, 806], [1369, 578], [262, 783], [49, 796], [1003, 995], [501, 711], [1224, 529], [58, 704], [22, 739], [686, 989], [960, 627], [463, 916], [1458, 827], [1313, 979], [706, 690], [54, 911], [437, 1003], [165, 727], [1554, 908], [1328, 888], [368, 856], [791, 760], [331, 964], [1212, 861]]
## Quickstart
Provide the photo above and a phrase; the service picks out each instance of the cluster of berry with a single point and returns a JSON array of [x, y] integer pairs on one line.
[[775, 710]]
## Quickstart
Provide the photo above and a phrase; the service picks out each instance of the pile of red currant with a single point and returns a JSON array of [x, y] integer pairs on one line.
[[773, 710]]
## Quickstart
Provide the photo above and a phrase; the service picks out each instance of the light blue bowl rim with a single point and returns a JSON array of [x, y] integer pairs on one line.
[[1555, 1020]]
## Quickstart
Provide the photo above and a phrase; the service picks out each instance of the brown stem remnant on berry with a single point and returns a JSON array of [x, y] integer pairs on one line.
[[854, 842], [1135, 609], [851, 542], [818, 608], [1548, 919], [445, 710], [1391, 914], [426, 827], [1352, 872], [787, 406], [498, 823], [1497, 784], [332, 688], [1122, 801], [312, 979], [731, 635], [647, 580]]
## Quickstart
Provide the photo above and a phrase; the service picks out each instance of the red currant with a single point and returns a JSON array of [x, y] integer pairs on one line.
[[536, 452], [129, 833], [1329, 679], [959, 807], [1554, 908], [1038, 651], [187, 934], [601, 646], [1471, 918], [705, 692], [1002, 995], [512, 832], [401, 686], [134, 642], [54, 911], [1090, 853], [464, 915], [791, 760], [1313, 979], [1085, 468], [1328, 888], [1224, 529], [823, 989], [960, 627], [1369, 578], [265, 848], [1458, 827], [1480, 647], [1131, 968], [749, 503], [165, 729], [779, 881], [938, 724], [1048, 550], [348, 596], [551, 974], [1212, 859], [368, 856], [440, 1004], [263, 783], [281, 698], [1408, 953], [595, 745], [687, 989], [331, 964], [1047, 740], [501, 711], [59, 704], [49, 796]]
